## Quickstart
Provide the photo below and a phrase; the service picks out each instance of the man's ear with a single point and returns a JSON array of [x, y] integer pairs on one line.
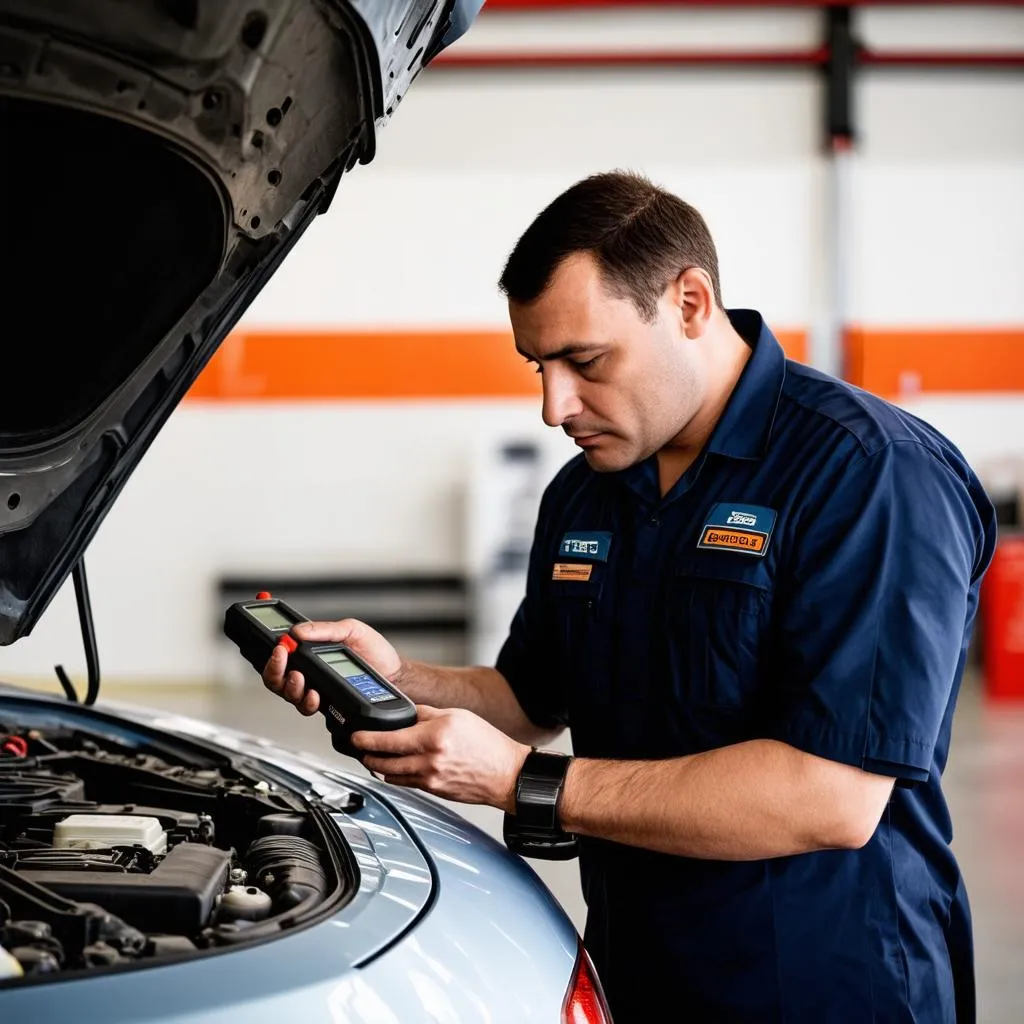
[[694, 295]]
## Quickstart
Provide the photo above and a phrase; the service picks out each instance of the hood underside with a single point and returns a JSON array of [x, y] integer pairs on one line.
[[159, 161]]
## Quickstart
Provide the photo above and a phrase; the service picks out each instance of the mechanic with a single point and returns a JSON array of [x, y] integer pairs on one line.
[[750, 599]]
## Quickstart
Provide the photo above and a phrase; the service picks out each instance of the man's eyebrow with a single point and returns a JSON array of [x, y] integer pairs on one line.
[[573, 348]]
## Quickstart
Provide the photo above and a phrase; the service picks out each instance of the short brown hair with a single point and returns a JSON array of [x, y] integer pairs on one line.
[[642, 237]]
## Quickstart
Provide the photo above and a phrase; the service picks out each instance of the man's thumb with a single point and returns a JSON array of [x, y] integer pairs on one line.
[[332, 632]]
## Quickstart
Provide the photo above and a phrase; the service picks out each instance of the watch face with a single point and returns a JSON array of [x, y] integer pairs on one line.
[[551, 763]]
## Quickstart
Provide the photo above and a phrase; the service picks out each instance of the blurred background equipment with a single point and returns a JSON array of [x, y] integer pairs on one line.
[[504, 493]]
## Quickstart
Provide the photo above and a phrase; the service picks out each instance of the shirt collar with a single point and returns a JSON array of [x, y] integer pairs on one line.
[[745, 426]]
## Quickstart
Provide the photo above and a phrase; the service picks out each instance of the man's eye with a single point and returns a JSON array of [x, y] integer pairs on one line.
[[586, 364]]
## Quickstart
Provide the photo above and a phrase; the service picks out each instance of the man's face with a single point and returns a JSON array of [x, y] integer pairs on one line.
[[621, 387]]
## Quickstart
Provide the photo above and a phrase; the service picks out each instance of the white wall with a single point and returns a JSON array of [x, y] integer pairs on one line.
[[938, 238], [419, 237]]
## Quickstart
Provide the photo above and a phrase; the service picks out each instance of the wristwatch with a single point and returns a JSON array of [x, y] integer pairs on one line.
[[534, 830]]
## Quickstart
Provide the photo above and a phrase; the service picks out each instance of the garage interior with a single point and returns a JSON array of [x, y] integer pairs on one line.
[[861, 167]]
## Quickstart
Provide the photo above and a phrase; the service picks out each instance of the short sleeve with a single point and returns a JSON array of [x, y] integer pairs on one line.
[[528, 659], [873, 612]]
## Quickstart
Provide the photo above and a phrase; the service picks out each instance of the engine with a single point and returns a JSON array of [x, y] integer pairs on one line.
[[109, 854]]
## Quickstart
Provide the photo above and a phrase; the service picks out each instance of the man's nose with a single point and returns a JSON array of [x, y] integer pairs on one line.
[[561, 402]]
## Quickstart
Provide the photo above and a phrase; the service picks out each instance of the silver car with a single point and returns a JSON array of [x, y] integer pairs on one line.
[[159, 161]]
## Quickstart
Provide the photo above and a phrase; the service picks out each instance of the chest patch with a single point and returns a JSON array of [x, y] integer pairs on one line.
[[572, 571], [746, 529], [590, 544]]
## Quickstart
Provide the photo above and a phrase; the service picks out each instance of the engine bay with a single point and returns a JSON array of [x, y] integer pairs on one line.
[[114, 854]]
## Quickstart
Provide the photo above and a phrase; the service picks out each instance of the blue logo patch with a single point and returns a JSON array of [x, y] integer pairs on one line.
[[586, 544], [745, 529]]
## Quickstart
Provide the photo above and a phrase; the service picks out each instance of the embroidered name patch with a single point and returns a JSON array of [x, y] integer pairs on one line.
[[743, 528], [592, 544], [571, 571]]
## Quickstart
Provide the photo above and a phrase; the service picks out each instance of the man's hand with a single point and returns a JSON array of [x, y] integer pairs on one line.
[[451, 753], [366, 642]]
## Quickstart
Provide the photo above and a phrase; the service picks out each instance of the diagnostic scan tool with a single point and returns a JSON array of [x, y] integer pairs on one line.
[[353, 696]]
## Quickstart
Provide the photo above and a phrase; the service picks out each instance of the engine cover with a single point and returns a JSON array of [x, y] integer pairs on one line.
[[177, 897]]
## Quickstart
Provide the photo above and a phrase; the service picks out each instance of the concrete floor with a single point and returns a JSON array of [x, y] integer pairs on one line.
[[984, 784]]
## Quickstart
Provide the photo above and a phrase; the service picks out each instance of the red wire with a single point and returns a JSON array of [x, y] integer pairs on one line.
[[15, 745]]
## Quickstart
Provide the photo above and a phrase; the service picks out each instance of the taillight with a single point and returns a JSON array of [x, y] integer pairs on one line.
[[585, 1002]]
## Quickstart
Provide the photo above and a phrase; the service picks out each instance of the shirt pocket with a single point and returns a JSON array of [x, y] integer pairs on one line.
[[717, 611], [574, 607]]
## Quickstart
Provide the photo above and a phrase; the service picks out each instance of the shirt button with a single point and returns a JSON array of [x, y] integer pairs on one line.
[[654, 520]]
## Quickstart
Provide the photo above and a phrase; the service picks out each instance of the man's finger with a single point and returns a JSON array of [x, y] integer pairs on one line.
[[398, 741], [409, 781], [273, 672], [310, 703], [406, 768], [294, 687], [424, 712]]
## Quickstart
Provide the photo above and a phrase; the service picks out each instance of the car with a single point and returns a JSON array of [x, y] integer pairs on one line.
[[160, 160]]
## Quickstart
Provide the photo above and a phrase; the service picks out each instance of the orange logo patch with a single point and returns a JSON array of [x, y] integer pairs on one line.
[[734, 540], [571, 571]]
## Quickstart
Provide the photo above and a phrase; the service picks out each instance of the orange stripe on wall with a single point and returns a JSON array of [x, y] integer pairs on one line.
[[294, 365], [794, 344], [904, 362], [331, 365]]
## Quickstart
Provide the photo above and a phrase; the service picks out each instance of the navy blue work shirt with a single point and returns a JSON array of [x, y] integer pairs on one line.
[[812, 578]]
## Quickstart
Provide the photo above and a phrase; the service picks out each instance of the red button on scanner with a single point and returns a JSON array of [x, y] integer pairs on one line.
[[288, 643], [263, 595]]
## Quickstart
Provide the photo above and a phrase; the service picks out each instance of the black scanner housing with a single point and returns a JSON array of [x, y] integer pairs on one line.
[[345, 710]]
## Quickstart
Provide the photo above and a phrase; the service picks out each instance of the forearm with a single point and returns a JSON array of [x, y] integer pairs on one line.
[[743, 802], [479, 689]]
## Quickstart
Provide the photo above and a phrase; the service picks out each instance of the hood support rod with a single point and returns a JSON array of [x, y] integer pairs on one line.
[[92, 654]]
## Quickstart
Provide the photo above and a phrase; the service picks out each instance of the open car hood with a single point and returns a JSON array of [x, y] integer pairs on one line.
[[159, 160]]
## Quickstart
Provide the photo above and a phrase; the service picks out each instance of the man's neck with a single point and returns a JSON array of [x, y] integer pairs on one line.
[[672, 464], [728, 355]]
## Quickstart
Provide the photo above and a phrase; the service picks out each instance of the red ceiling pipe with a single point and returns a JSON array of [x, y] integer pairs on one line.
[[952, 59], [579, 5], [540, 60], [640, 58]]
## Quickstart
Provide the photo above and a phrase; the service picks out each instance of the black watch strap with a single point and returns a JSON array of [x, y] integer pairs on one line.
[[538, 789], [534, 830]]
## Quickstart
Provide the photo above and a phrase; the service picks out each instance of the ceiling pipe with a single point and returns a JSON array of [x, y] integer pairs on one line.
[[629, 58], [951, 61], [579, 5], [814, 57], [597, 59]]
